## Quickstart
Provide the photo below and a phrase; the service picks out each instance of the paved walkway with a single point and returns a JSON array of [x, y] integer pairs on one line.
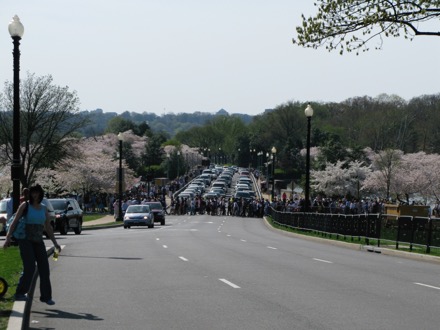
[[105, 220]]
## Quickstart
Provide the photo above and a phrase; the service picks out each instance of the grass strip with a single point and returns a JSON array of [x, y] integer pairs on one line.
[[10, 269]]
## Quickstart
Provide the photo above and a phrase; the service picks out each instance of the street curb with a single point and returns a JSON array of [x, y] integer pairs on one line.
[[360, 247], [103, 226]]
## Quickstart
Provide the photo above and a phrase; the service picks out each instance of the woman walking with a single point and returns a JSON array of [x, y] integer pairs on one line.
[[32, 248]]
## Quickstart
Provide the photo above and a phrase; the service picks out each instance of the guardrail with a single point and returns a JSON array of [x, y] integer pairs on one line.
[[415, 231], [257, 187]]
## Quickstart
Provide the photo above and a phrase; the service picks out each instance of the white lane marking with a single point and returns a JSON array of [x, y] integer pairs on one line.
[[235, 286], [272, 248], [165, 246], [243, 240], [183, 258], [427, 286], [228, 235], [157, 239], [321, 260]]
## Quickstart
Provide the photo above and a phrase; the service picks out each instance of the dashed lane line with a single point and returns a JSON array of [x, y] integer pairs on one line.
[[322, 260], [427, 286], [235, 286]]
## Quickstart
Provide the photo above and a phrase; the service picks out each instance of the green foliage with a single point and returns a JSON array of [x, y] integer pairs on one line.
[[10, 269], [349, 25], [172, 142], [129, 156], [122, 124], [119, 124], [174, 165], [156, 171], [170, 123], [153, 154]]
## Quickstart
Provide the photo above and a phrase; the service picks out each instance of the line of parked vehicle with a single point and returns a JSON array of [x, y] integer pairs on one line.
[[220, 181]]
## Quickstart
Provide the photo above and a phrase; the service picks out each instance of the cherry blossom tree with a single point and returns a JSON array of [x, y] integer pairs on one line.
[[5, 181], [403, 176], [338, 179], [95, 170], [385, 165], [417, 175]]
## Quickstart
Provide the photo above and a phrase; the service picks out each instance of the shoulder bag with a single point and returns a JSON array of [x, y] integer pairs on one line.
[[20, 227]]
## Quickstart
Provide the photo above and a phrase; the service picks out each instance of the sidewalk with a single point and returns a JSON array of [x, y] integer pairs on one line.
[[107, 219]]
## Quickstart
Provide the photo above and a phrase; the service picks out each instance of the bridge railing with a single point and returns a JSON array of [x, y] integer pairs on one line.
[[396, 230]]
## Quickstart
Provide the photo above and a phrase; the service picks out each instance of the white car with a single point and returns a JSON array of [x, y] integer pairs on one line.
[[138, 215]]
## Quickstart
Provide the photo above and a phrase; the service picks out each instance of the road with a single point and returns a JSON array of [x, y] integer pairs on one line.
[[213, 272]]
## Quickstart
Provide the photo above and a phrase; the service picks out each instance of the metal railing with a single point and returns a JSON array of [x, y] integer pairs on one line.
[[408, 230]]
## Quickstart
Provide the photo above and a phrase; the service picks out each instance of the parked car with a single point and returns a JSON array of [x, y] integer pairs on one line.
[[3, 213], [158, 212], [50, 208], [211, 194], [220, 184], [68, 215], [219, 191], [3, 207], [185, 195], [242, 186], [138, 215], [243, 194]]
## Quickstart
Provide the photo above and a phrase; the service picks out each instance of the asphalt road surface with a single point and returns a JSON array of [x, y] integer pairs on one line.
[[214, 272]]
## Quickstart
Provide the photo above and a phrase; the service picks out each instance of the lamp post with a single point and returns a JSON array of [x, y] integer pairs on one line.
[[267, 171], [309, 113], [16, 31], [168, 166], [121, 139], [178, 156], [260, 160], [273, 151]]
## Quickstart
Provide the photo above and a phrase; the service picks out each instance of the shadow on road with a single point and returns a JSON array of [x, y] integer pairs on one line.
[[93, 257], [55, 313]]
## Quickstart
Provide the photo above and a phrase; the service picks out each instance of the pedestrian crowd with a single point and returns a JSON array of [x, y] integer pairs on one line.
[[222, 206], [330, 205]]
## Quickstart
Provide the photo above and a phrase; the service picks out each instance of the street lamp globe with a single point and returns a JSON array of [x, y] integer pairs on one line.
[[274, 150], [308, 111], [16, 29]]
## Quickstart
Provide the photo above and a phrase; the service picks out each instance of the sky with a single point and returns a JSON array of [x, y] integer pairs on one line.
[[183, 56]]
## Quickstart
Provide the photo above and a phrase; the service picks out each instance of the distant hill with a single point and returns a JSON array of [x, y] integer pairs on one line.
[[169, 123]]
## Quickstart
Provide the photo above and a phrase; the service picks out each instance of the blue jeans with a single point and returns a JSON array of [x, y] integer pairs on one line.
[[32, 253]]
